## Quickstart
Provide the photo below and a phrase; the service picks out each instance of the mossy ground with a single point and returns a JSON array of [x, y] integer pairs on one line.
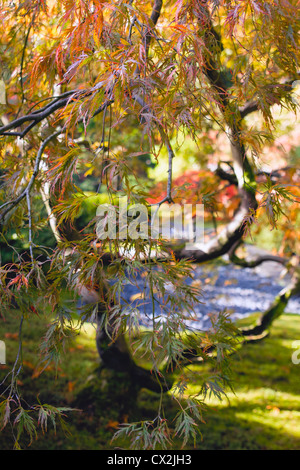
[[264, 413]]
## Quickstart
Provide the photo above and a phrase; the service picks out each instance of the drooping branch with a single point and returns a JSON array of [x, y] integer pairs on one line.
[[231, 236], [113, 350], [10, 204], [254, 105], [256, 262], [277, 307], [40, 115], [165, 140], [223, 242], [36, 117], [244, 174]]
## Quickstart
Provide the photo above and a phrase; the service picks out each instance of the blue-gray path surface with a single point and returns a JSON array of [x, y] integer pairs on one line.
[[241, 291]]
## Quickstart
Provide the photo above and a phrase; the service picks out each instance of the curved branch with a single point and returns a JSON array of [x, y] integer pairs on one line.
[[275, 310], [225, 240], [37, 116], [26, 191], [223, 175], [253, 263], [253, 106], [244, 176]]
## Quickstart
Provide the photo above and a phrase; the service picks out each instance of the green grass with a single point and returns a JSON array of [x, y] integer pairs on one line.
[[264, 413]]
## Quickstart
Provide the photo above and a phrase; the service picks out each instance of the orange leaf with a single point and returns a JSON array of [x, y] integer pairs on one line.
[[71, 386], [28, 364], [11, 335], [14, 281], [112, 424]]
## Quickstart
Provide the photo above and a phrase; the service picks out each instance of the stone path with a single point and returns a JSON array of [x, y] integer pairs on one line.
[[241, 291]]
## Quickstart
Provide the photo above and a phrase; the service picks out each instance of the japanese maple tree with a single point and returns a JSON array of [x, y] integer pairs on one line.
[[95, 89]]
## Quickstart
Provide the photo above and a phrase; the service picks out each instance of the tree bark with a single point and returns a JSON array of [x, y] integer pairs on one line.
[[277, 307]]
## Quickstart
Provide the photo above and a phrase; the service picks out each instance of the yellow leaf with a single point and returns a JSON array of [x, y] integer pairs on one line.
[[140, 295], [89, 171], [124, 42], [228, 282]]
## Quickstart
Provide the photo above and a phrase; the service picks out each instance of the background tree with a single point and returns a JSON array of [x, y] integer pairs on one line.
[[93, 95]]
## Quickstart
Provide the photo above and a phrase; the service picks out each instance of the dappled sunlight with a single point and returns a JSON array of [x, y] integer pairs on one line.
[[149, 224]]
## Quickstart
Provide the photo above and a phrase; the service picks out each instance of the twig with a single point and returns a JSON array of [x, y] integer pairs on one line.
[[22, 62], [130, 29], [29, 225], [13, 372], [167, 143], [169, 185]]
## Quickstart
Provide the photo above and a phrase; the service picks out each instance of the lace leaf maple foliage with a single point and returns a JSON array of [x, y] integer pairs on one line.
[[80, 78]]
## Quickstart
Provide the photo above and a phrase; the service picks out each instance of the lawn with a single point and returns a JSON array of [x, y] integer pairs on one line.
[[264, 412]]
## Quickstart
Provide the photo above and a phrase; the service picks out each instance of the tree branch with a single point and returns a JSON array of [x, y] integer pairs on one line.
[[36, 117], [223, 175], [276, 309], [26, 191], [234, 231], [153, 19], [253, 106], [253, 263]]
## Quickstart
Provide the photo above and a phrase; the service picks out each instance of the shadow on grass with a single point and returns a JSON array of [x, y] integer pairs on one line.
[[264, 414]]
